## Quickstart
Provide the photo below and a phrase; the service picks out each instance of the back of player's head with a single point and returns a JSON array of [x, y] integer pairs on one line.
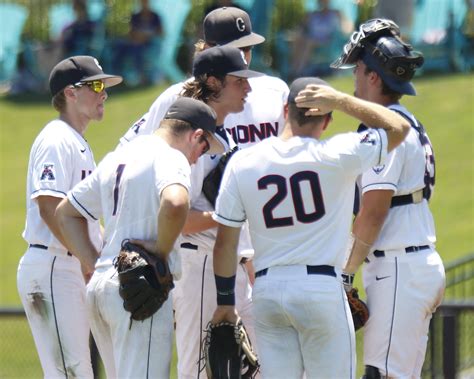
[[295, 114], [230, 26], [199, 116]]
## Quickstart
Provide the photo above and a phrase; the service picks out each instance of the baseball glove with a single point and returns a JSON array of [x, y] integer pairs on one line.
[[212, 182], [145, 280], [228, 352], [359, 310]]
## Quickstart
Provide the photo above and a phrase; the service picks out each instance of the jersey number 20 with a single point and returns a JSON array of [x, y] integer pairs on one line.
[[294, 183]]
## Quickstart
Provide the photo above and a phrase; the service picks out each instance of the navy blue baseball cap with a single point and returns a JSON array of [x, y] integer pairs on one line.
[[221, 61], [230, 26], [80, 68], [200, 116], [300, 84]]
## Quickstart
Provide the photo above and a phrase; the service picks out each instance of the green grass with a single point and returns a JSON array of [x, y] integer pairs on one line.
[[444, 106]]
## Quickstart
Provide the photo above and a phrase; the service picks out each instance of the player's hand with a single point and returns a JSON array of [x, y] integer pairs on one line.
[[225, 313], [148, 245], [318, 98], [87, 273]]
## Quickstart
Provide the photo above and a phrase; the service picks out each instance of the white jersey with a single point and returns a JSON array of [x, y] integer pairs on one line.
[[125, 190], [60, 157], [404, 173], [262, 117], [298, 195]]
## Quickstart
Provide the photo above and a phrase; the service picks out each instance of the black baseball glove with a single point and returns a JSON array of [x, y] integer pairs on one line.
[[359, 310], [228, 352], [145, 280], [212, 182]]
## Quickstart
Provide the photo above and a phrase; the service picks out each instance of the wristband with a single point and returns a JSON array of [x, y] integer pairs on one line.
[[347, 280], [225, 290]]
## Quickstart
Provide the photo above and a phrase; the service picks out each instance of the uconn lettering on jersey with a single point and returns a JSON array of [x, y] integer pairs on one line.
[[253, 133]]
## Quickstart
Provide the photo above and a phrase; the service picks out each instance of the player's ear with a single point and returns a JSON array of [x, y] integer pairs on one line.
[[69, 92], [285, 111]]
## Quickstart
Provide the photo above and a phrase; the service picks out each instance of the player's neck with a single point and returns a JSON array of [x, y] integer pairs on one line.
[[75, 121]]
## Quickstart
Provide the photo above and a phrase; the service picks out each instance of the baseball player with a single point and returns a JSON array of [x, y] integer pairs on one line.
[[298, 202], [142, 192], [50, 281], [394, 230], [261, 117]]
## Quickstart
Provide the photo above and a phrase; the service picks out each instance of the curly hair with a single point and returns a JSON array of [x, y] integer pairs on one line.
[[200, 89]]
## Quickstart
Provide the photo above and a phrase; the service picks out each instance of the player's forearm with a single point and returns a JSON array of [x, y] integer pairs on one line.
[[365, 231], [198, 221], [375, 116], [225, 251], [47, 208], [74, 229]]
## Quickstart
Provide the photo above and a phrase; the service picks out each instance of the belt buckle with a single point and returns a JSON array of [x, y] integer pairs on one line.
[[417, 196]]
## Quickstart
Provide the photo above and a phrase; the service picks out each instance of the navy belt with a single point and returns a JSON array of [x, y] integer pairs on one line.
[[43, 247], [311, 270], [409, 249], [188, 245]]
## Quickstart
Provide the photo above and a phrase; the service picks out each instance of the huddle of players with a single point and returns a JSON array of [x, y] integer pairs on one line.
[[301, 321]]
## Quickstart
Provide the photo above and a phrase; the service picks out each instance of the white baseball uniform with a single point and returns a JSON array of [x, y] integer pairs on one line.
[[297, 196], [194, 294], [125, 190], [50, 281], [404, 279]]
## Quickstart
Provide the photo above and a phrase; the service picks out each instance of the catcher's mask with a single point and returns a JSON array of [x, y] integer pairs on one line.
[[379, 46], [368, 31]]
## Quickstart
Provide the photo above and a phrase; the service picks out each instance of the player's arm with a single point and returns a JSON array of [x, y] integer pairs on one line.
[[174, 207], [47, 207], [323, 99], [74, 229], [225, 268], [367, 225], [198, 221]]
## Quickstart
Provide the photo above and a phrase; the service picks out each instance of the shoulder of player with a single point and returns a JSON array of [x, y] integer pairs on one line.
[[268, 83], [252, 152], [168, 95], [57, 134]]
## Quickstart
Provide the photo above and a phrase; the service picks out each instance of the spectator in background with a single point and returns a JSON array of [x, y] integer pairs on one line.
[[318, 32], [144, 37], [78, 37]]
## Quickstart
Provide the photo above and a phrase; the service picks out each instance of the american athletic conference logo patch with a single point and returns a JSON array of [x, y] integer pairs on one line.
[[378, 169], [48, 172]]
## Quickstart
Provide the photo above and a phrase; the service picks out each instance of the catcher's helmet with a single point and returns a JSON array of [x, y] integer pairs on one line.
[[380, 47]]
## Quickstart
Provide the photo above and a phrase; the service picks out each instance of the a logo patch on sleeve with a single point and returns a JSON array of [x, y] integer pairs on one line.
[[378, 169], [48, 172], [368, 138]]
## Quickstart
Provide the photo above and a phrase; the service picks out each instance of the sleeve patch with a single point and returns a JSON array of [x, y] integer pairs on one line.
[[378, 169], [48, 173]]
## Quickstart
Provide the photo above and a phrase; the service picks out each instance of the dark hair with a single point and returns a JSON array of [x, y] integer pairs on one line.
[[297, 116], [386, 90], [59, 101], [199, 89]]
